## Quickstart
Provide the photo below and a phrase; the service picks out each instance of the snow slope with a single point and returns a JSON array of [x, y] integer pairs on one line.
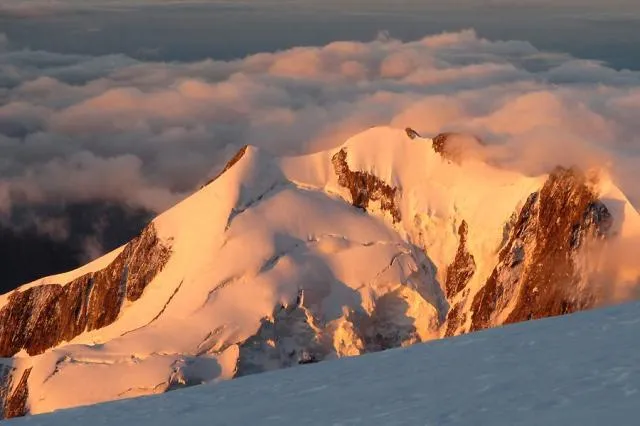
[[580, 369], [270, 265]]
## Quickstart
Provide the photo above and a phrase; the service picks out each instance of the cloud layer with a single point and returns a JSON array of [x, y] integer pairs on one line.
[[78, 128], [110, 129]]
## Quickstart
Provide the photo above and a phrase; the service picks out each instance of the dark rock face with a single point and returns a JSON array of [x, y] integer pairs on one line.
[[41, 317], [440, 142], [459, 273], [145, 258], [15, 404], [6, 380], [537, 266], [411, 133], [365, 187], [455, 319], [463, 267], [538, 273]]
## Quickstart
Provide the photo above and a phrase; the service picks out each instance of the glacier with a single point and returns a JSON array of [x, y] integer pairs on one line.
[[386, 241], [579, 369]]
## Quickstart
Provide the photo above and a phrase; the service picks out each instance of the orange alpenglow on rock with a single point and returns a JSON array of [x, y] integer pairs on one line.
[[387, 240]]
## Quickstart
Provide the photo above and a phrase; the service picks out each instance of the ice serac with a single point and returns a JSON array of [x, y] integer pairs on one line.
[[387, 240], [538, 273], [42, 316], [293, 335], [289, 337]]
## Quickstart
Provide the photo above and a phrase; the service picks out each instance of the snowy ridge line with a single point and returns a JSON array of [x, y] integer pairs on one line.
[[392, 239]]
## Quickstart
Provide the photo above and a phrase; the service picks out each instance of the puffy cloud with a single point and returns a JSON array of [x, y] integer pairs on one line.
[[77, 129]]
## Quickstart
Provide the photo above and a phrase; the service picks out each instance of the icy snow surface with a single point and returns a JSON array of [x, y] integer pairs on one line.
[[580, 369], [268, 226]]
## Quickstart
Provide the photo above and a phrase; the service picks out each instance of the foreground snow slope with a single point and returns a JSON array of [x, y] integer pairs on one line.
[[385, 241], [580, 369]]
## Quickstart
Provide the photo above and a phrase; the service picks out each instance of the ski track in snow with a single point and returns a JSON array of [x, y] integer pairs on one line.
[[580, 369]]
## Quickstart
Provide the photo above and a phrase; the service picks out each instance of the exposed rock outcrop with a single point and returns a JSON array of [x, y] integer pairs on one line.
[[439, 143], [455, 319], [41, 317], [463, 266], [15, 404], [411, 133], [365, 187], [459, 273], [538, 273], [6, 380]]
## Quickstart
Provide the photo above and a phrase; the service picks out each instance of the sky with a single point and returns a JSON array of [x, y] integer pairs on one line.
[[112, 111], [194, 30]]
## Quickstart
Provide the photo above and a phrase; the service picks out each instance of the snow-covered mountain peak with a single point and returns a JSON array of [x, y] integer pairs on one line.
[[387, 240]]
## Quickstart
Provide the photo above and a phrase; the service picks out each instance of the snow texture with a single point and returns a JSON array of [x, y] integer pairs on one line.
[[245, 245], [580, 369]]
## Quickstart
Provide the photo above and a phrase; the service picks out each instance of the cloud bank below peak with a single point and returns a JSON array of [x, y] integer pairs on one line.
[[79, 128]]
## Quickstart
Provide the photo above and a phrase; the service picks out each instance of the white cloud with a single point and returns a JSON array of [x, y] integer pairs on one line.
[[79, 128]]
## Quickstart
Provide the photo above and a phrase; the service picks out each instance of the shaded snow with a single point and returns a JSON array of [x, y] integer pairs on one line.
[[580, 369]]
